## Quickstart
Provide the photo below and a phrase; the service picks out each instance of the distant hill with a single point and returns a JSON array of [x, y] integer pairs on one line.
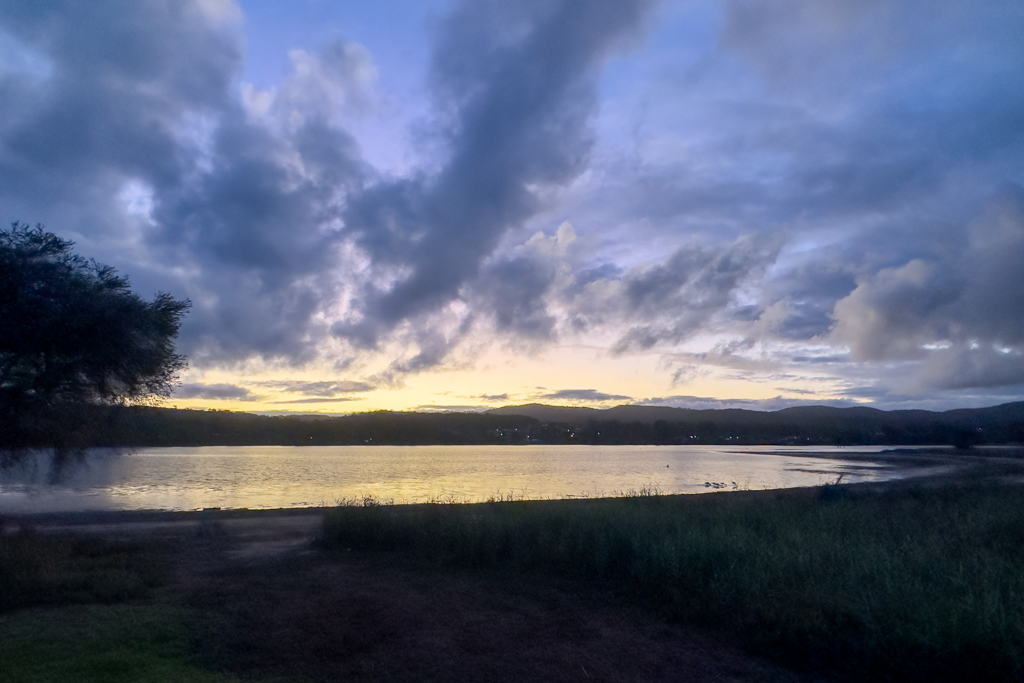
[[116, 426], [1007, 412], [799, 425], [545, 413]]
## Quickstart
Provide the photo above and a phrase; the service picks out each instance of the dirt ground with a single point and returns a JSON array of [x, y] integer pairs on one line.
[[267, 603]]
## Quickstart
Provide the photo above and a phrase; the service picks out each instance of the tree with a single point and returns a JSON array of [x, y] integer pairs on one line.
[[74, 335]]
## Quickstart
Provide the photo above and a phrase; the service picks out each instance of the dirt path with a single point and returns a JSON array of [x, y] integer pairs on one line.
[[268, 603]]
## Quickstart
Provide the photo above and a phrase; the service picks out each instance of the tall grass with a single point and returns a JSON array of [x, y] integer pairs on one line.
[[903, 583]]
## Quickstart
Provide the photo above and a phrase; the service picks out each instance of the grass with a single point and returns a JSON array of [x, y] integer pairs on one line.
[[63, 615], [101, 644], [42, 569], [909, 582]]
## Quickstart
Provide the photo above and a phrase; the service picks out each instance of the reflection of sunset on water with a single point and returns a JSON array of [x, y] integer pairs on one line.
[[281, 477]]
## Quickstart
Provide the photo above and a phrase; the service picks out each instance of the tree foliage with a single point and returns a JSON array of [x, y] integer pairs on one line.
[[72, 333]]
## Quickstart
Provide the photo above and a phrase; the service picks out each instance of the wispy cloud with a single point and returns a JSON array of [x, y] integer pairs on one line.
[[218, 392], [338, 399], [583, 395], [453, 408], [767, 404], [490, 397], [321, 389]]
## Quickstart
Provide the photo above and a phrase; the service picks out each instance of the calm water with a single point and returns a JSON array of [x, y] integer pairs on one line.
[[275, 477]]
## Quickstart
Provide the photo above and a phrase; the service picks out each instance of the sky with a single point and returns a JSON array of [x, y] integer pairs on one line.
[[451, 205]]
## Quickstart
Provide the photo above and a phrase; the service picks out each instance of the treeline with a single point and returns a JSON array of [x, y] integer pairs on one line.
[[809, 425], [147, 426], [839, 433]]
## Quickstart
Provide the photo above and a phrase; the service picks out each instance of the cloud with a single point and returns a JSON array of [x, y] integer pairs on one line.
[[678, 298], [433, 347], [958, 313], [340, 76], [887, 317], [136, 146], [866, 176], [514, 83], [337, 399], [768, 404], [584, 395], [321, 389], [517, 289], [258, 205], [536, 293], [432, 408], [225, 392], [491, 397], [830, 186]]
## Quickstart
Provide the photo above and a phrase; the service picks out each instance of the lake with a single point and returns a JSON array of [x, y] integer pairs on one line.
[[282, 476]]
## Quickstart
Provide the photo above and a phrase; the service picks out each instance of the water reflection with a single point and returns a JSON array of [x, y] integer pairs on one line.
[[273, 477], [41, 468]]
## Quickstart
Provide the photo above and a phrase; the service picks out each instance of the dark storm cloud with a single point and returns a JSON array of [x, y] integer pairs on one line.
[[214, 391], [587, 395], [514, 85], [256, 228], [235, 213], [119, 77]]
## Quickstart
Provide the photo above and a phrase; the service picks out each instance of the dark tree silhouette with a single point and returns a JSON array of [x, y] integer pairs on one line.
[[73, 336]]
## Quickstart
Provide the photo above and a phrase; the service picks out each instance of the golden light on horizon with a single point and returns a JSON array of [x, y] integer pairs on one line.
[[567, 375]]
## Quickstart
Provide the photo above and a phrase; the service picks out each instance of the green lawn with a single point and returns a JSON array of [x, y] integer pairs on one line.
[[71, 610], [101, 643]]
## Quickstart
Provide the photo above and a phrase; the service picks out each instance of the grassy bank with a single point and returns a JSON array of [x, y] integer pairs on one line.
[[902, 583]]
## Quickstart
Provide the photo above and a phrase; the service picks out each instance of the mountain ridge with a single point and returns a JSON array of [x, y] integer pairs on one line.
[[650, 414]]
